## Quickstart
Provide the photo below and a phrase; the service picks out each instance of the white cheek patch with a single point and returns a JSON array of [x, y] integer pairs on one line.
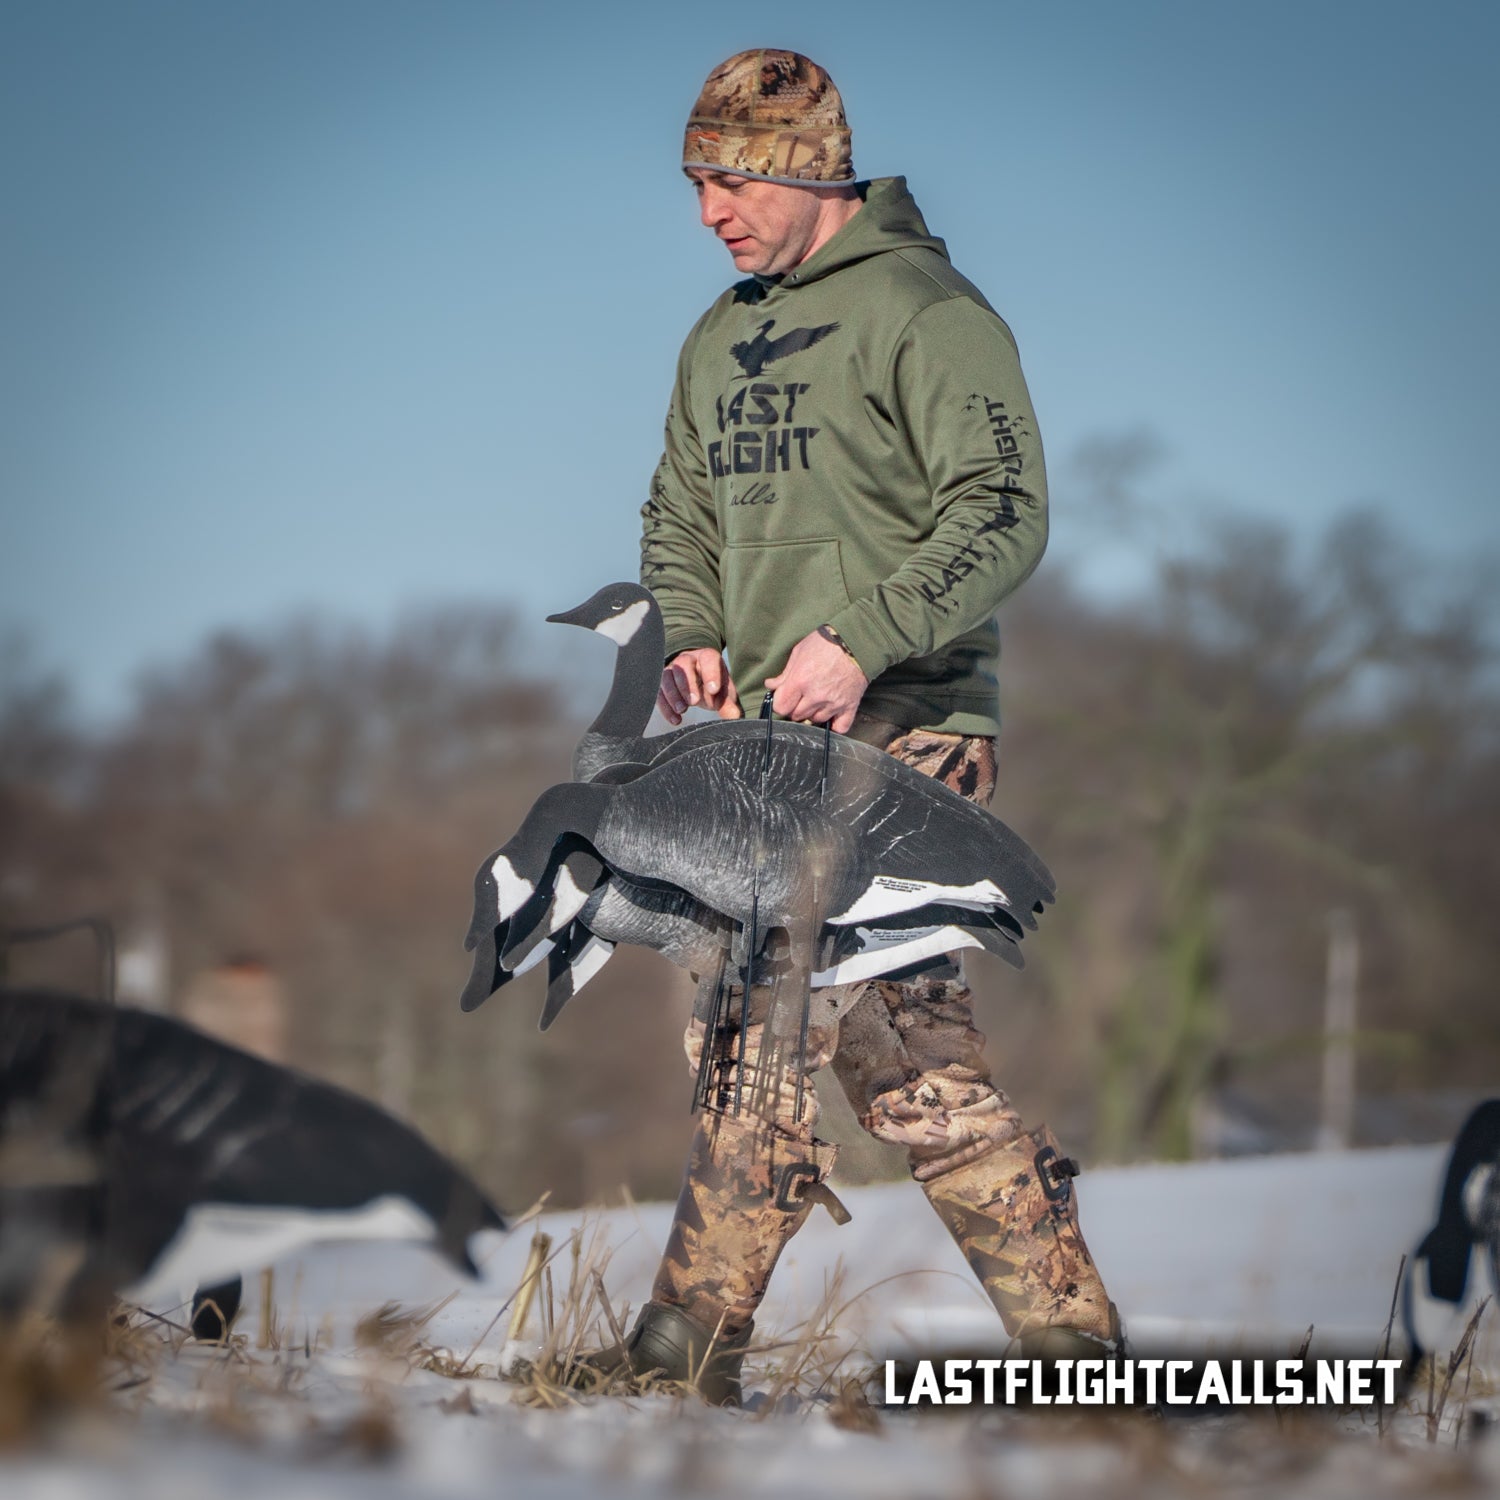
[[622, 627], [1474, 1193], [220, 1240], [568, 899], [514, 891], [886, 895], [884, 949], [591, 958]]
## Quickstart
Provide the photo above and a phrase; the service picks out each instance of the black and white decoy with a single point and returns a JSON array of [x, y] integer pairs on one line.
[[1457, 1265], [616, 745], [628, 615], [577, 910], [788, 830], [152, 1157], [695, 937]]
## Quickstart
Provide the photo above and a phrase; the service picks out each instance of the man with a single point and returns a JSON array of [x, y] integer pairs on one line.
[[852, 482]]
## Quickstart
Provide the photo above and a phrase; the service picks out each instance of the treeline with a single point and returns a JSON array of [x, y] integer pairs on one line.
[[1273, 738]]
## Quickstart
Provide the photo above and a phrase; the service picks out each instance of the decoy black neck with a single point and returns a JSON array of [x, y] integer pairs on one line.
[[637, 679], [571, 807]]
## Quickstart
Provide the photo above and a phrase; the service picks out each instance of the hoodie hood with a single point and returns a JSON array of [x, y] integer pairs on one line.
[[889, 220]]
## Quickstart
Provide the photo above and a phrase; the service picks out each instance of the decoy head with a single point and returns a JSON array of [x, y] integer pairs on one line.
[[524, 880], [618, 611], [575, 869]]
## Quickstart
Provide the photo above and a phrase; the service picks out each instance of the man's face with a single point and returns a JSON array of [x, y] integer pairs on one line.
[[768, 227]]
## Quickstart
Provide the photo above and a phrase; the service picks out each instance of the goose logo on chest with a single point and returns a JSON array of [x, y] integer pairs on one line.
[[753, 356]]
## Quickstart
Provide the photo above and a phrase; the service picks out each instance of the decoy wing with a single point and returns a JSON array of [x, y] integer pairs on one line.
[[746, 817]]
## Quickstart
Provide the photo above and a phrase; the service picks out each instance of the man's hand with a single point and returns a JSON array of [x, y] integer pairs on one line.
[[697, 677], [821, 683]]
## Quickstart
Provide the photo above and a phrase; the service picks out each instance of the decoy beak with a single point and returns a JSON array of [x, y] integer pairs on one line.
[[568, 617], [486, 907], [486, 977]]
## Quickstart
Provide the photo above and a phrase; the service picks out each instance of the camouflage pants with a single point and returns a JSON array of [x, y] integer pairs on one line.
[[911, 1061]]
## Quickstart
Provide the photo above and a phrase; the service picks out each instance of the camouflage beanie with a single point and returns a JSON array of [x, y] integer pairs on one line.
[[770, 114]]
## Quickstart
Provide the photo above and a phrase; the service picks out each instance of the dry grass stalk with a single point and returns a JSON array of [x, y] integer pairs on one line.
[[581, 1320], [267, 1309], [813, 1354], [525, 1294], [1385, 1343], [569, 1327], [817, 1359], [1461, 1356], [851, 1409], [440, 1361], [394, 1330]]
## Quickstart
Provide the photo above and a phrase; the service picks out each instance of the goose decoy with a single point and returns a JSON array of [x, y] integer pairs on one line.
[[1458, 1262], [786, 830], [695, 937], [152, 1157], [616, 744], [628, 615], [615, 748]]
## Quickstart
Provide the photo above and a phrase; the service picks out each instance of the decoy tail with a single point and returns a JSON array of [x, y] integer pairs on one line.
[[1445, 1280]]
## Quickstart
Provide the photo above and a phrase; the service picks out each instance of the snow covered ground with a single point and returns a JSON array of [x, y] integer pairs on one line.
[[1219, 1256]]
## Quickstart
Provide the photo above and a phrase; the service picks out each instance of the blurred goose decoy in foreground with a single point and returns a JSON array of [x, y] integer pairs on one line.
[[1457, 1265], [138, 1155]]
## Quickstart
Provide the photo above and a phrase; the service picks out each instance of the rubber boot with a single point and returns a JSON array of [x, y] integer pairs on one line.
[[754, 1172], [668, 1343], [749, 1188], [1014, 1215]]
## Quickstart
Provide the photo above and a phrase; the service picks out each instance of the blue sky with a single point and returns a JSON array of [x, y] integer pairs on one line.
[[355, 306]]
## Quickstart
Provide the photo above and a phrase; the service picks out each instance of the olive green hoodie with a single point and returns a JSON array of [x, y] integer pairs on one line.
[[852, 444]]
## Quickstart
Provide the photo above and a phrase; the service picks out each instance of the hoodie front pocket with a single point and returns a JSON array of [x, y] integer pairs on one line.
[[778, 591]]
